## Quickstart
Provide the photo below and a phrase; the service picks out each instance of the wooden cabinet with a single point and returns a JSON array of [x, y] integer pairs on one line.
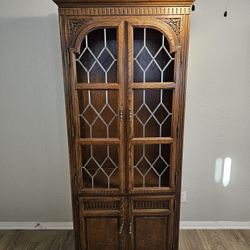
[[102, 222], [124, 73]]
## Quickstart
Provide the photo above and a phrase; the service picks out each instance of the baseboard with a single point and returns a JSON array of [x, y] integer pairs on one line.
[[69, 225], [36, 225], [215, 225]]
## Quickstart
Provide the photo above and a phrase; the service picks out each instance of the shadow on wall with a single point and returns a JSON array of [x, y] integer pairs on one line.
[[33, 125]]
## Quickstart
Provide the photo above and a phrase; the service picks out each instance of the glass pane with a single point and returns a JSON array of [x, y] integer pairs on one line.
[[98, 113], [153, 61], [97, 60], [151, 165], [100, 166], [152, 113]]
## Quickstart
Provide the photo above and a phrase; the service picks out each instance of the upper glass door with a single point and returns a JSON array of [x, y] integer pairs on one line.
[[151, 109], [98, 92], [97, 60], [153, 61]]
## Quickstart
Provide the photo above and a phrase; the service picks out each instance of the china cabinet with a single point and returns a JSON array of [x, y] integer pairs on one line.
[[124, 74]]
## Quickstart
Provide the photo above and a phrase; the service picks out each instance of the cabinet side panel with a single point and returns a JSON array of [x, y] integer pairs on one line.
[[69, 117], [181, 102]]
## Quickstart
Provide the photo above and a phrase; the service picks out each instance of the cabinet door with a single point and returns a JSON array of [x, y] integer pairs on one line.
[[102, 223], [152, 89], [98, 90], [151, 223]]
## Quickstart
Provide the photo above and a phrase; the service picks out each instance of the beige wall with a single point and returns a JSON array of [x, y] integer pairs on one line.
[[34, 175], [218, 112]]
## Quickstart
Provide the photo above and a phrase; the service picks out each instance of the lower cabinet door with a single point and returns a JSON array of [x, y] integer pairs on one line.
[[102, 224], [151, 223]]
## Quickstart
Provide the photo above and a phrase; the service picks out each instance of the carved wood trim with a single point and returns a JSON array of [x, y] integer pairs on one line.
[[151, 204], [74, 26], [100, 205], [175, 24], [126, 11]]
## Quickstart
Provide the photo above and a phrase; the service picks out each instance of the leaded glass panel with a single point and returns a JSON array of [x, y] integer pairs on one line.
[[151, 166], [98, 113], [153, 61], [97, 60], [152, 113], [100, 166]]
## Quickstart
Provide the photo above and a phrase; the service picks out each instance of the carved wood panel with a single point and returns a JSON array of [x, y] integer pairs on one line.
[[175, 24], [151, 219], [153, 204], [102, 223], [150, 232], [74, 26], [100, 205]]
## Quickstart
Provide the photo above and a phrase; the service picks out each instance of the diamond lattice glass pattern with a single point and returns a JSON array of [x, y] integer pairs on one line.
[[98, 113], [152, 113], [151, 165], [153, 61], [100, 166], [97, 60]]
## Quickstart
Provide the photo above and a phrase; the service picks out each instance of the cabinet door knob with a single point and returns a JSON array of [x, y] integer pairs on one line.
[[121, 228], [130, 227]]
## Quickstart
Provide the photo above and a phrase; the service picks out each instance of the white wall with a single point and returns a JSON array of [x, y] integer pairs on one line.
[[218, 112], [34, 175]]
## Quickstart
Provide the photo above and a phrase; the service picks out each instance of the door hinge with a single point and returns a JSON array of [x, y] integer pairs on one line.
[[130, 115], [130, 227]]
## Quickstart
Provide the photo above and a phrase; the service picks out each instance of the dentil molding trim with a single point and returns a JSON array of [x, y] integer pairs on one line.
[[107, 11]]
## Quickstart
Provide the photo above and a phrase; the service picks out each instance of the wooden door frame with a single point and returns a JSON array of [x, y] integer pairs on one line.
[[151, 206], [175, 46], [97, 209], [119, 86]]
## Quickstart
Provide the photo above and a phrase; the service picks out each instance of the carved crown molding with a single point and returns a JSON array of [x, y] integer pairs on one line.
[[175, 24], [125, 11]]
